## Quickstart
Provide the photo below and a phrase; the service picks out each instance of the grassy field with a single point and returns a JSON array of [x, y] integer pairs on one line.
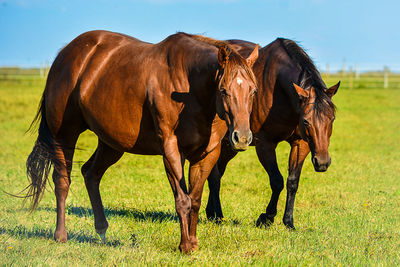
[[349, 215]]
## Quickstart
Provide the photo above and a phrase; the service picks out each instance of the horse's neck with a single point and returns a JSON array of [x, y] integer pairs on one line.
[[277, 89], [287, 101], [291, 97], [275, 108], [202, 81]]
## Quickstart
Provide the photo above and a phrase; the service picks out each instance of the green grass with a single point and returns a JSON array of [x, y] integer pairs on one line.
[[346, 216]]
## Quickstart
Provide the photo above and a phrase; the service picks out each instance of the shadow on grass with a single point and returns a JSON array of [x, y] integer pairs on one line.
[[20, 231], [153, 216], [138, 215]]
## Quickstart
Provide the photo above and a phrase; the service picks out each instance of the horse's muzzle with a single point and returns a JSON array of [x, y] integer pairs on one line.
[[321, 164], [240, 140]]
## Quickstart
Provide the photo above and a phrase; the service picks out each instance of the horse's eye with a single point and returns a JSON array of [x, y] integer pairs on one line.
[[306, 123], [223, 92], [254, 91]]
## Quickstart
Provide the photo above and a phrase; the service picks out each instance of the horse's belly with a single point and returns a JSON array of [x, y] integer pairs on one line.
[[148, 141], [129, 137], [126, 124]]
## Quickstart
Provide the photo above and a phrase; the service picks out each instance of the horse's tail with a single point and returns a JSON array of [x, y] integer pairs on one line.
[[41, 159]]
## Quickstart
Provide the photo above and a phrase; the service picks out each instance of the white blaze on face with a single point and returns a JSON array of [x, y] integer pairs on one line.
[[239, 81]]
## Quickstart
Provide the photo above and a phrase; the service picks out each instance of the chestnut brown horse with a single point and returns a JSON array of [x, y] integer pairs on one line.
[[283, 111], [176, 98]]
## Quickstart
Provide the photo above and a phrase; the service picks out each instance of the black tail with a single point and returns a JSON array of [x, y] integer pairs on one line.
[[41, 159]]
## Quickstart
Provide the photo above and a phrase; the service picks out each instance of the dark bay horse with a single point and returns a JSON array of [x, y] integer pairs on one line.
[[176, 98], [300, 114]]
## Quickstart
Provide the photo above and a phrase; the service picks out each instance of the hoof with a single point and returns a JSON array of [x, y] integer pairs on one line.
[[185, 248], [214, 218], [290, 226], [264, 220], [61, 236], [102, 234], [210, 215], [194, 248], [103, 238], [194, 244], [220, 220]]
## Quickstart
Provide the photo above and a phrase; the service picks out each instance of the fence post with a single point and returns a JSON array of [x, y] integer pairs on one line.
[[357, 76], [344, 68], [351, 78], [385, 77]]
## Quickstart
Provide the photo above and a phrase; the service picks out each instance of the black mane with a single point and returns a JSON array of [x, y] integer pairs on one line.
[[309, 76]]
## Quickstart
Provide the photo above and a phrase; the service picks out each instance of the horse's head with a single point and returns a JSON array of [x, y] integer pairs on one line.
[[237, 85], [316, 119]]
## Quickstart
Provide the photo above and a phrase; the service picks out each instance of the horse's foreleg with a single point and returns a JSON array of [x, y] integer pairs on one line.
[[174, 162], [93, 171], [213, 209], [198, 173], [267, 156], [299, 151]]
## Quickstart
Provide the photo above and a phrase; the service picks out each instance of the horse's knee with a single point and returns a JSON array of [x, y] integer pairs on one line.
[[292, 184], [85, 168], [183, 205], [88, 164], [91, 178]]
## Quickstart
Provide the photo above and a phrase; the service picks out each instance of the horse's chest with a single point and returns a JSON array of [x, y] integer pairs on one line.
[[193, 134], [201, 137]]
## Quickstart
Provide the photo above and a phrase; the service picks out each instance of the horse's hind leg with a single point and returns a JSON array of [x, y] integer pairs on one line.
[[267, 156], [64, 152], [93, 171], [214, 209]]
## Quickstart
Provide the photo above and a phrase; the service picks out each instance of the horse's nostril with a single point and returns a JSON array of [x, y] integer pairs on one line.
[[315, 161], [235, 137]]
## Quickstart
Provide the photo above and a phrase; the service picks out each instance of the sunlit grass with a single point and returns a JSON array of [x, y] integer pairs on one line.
[[346, 216]]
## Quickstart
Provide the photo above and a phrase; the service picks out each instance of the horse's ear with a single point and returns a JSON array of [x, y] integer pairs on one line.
[[223, 55], [331, 91], [304, 94], [253, 56]]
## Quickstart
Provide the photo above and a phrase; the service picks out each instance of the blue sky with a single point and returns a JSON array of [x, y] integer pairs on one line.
[[366, 32]]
